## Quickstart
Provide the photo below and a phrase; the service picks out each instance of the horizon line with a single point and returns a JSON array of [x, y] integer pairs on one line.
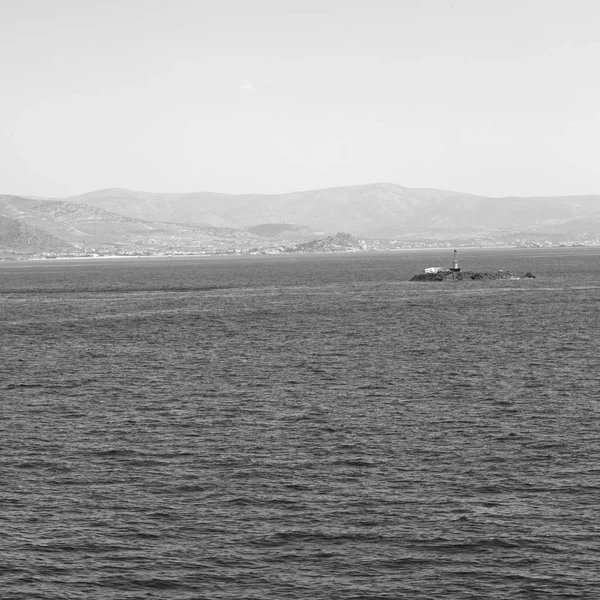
[[301, 191]]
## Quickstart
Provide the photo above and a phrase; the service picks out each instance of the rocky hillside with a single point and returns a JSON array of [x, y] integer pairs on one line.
[[59, 226], [282, 231], [19, 238], [340, 242]]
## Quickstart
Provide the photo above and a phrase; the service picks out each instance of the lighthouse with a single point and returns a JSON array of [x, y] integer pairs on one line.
[[455, 268]]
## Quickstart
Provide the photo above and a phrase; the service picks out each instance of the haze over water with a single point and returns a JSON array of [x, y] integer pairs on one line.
[[300, 427]]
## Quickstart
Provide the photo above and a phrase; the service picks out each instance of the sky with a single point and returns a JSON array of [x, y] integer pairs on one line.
[[491, 97]]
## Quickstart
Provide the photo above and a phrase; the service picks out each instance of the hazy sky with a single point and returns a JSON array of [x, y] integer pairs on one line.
[[496, 97]]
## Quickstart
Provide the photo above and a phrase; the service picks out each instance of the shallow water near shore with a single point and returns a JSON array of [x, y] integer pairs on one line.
[[300, 427]]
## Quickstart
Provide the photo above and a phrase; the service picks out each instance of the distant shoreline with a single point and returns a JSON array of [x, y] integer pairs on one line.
[[291, 255]]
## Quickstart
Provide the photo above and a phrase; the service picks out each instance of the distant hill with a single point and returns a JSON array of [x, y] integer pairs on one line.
[[117, 221], [277, 231], [35, 226], [380, 210], [340, 242]]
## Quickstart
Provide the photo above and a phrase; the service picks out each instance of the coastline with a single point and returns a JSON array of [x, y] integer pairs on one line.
[[285, 255]]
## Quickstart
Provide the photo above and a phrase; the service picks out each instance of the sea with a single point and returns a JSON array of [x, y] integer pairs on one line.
[[314, 426]]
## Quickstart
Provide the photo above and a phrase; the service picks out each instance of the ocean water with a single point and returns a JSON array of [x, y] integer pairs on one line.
[[300, 427]]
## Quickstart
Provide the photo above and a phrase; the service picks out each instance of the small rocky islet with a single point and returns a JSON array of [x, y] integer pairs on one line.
[[447, 274], [455, 273]]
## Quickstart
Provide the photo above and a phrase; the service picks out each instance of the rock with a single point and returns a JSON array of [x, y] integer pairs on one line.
[[463, 276], [340, 242], [437, 276], [529, 275]]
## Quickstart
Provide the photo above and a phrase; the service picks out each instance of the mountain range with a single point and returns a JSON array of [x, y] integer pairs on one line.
[[114, 221]]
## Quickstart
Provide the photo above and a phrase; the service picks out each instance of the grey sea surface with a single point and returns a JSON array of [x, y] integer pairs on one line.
[[312, 427]]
